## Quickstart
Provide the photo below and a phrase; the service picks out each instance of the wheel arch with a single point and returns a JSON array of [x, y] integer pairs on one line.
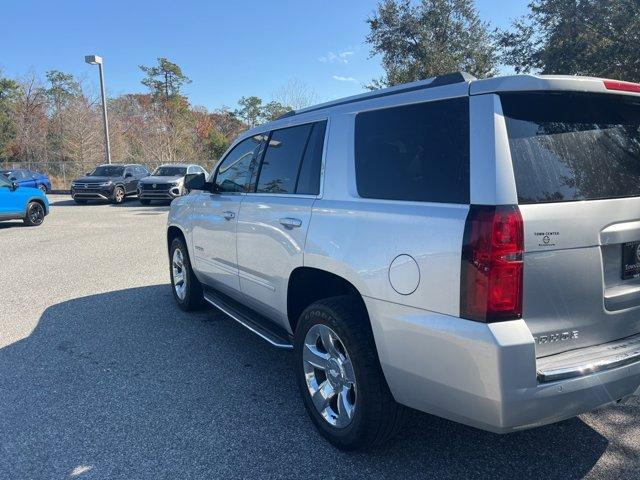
[[37, 200], [308, 285], [174, 232]]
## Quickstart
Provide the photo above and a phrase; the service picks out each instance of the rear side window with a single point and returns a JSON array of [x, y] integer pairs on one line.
[[573, 146], [237, 170], [309, 178], [415, 152]]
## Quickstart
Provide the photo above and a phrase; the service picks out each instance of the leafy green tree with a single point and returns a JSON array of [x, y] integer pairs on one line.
[[250, 110], [9, 91], [576, 37], [428, 38], [273, 110], [63, 87], [216, 144], [164, 80]]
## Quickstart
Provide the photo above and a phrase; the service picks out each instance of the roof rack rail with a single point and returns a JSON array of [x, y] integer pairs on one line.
[[290, 113], [439, 81]]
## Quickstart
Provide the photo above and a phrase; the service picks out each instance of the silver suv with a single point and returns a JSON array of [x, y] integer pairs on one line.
[[468, 248]]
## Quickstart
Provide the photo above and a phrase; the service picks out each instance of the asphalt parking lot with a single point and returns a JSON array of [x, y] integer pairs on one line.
[[102, 376]]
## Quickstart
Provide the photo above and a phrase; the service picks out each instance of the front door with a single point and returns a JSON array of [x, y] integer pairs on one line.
[[216, 218]]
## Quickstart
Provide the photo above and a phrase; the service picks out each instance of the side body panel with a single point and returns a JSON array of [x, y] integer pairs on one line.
[[268, 250], [214, 219]]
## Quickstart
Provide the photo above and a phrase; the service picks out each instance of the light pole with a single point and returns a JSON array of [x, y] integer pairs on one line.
[[96, 60]]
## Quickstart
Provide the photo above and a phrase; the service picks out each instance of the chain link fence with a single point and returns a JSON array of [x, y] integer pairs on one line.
[[62, 173]]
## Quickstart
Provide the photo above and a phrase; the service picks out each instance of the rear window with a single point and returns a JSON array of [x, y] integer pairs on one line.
[[415, 152], [573, 146]]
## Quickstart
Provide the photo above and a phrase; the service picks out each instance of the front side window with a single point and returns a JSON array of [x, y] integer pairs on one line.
[[573, 146], [169, 171], [279, 170], [4, 182], [238, 168], [416, 152]]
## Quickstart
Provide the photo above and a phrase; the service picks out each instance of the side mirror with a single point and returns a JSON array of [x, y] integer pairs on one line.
[[14, 186], [198, 181], [88, 173], [128, 175]]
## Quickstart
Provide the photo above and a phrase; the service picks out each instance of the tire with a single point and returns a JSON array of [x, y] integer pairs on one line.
[[35, 214], [80, 201], [118, 195], [145, 201], [191, 297], [375, 415]]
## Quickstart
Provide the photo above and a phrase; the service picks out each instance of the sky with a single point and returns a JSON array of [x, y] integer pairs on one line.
[[229, 49]]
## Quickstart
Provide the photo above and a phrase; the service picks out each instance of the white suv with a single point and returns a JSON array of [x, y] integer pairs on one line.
[[468, 248]]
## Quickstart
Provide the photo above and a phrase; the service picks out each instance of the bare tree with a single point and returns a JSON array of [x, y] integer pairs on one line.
[[296, 94]]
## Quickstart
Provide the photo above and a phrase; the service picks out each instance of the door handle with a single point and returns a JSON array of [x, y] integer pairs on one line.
[[228, 215], [288, 222]]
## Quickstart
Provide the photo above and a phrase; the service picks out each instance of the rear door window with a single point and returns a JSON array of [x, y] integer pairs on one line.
[[573, 146], [309, 177], [281, 163], [416, 152]]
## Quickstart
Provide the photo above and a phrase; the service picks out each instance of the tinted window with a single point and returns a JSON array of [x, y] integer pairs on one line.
[[279, 170], [309, 178], [238, 167], [164, 171], [571, 146], [415, 152], [107, 171]]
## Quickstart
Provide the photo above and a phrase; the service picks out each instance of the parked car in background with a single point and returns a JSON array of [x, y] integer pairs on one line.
[[28, 178], [112, 182], [25, 203], [468, 248], [166, 182]]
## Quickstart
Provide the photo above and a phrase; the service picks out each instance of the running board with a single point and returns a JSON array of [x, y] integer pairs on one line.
[[248, 319]]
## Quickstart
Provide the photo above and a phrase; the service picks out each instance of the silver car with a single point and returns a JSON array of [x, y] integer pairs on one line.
[[166, 182], [468, 248]]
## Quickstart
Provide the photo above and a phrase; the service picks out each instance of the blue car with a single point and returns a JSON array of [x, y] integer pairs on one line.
[[28, 178], [16, 202]]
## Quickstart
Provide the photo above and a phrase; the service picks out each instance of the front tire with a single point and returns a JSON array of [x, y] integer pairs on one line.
[[340, 378], [35, 214], [118, 195], [186, 288]]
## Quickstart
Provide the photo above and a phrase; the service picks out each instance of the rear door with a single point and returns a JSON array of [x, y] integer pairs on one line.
[[216, 216], [576, 162], [274, 218]]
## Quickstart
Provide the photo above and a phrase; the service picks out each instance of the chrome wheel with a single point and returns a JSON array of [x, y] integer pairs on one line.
[[179, 274], [35, 213], [119, 195], [329, 375]]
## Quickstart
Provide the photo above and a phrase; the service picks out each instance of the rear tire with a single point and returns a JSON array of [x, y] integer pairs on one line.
[[186, 288], [35, 214], [375, 417], [145, 201]]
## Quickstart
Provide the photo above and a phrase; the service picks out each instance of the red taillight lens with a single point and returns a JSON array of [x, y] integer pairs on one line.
[[491, 274], [622, 86]]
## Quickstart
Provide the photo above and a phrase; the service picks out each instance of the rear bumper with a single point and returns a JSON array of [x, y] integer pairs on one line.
[[483, 375]]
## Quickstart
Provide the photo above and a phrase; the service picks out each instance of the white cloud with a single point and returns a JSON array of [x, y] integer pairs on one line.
[[340, 57], [344, 79]]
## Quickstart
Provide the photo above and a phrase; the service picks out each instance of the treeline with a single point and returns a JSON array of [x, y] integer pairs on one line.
[[54, 120]]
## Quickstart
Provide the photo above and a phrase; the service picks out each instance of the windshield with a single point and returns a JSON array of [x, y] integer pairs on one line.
[[107, 171], [4, 182], [573, 146], [169, 171]]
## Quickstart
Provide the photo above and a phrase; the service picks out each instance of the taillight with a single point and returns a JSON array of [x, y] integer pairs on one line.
[[622, 86], [491, 274]]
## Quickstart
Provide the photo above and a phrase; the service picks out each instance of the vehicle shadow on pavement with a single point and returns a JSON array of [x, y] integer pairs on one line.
[[129, 202], [124, 384]]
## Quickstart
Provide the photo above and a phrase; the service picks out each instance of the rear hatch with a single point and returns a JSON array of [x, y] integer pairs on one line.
[[576, 161]]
